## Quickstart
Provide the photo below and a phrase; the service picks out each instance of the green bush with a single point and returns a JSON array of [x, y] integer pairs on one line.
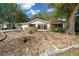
[[55, 29], [18, 24]]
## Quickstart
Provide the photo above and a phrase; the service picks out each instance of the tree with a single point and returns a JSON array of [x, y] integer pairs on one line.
[[48, 16], [59, 10], [37, 15], [10, 13], [45, 15], [6, 10], [21, 17], [68, 11], [71, 19]]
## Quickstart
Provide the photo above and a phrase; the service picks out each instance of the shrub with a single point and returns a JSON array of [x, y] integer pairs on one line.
[[17, 25], [55, 29], [31, 30]]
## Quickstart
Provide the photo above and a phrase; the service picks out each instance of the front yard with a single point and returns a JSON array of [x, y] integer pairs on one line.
[[38, 43]]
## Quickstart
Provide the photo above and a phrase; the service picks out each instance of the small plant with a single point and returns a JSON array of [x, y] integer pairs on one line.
[[55, 29], [17, 25], [31, 30]]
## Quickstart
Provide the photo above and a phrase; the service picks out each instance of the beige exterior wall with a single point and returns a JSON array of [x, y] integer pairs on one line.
[[36, 25], [48, 26], [24, 26]]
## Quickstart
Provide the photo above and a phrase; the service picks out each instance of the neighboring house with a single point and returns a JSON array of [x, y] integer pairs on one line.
[[42, 25], [6, 25]]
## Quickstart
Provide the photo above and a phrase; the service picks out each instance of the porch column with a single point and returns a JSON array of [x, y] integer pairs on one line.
[[36, 25], [48, 27]]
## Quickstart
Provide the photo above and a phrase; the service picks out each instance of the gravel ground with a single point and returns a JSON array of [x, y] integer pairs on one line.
[[21, 43]]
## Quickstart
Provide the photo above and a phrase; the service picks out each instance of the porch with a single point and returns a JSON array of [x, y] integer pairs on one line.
[[40, 27]]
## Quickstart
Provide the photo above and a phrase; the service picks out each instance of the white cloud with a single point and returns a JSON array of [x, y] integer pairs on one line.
[[33, 12], [38, 11], [50, 10], [26, 5]]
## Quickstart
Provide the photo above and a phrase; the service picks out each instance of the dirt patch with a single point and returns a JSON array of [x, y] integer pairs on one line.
[[22, 43]]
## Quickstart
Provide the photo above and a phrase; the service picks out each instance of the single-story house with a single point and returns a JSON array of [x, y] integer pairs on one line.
[[7, 25], [39, 24], [42, 25]]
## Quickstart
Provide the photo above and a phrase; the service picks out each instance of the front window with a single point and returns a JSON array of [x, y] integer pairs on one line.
[[59, 26], [42, 26], [31, 25]]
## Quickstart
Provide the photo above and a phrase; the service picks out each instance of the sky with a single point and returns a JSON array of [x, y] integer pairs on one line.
[[31, 9]]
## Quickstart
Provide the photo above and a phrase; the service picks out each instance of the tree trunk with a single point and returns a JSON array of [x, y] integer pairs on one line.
[[71, 21]]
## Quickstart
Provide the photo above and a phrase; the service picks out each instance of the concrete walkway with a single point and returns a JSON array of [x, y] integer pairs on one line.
[[9, 30]]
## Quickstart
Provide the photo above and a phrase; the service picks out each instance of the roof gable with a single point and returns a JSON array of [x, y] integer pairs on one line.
[[39, 20]]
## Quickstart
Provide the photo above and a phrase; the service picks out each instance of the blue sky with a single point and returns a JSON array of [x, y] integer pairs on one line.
[[34, 8]]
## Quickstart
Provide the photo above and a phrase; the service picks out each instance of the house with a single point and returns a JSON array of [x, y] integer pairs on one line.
[[42, 25], [6, 25], [59, 25], [39, 24]]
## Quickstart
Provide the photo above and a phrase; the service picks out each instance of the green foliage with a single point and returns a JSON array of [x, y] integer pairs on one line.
[[9, 12], [38, 15], [66, 10], [6, 10], [18, 24], [55, 29], [60, 10], [21, 17], [63, 10], [48, 17], [77, 24], [45, 16]]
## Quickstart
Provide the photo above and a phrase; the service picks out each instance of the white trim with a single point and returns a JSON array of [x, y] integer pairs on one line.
[[37, 19]]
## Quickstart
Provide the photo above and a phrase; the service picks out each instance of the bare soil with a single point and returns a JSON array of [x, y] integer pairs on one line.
[[21, 43]]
